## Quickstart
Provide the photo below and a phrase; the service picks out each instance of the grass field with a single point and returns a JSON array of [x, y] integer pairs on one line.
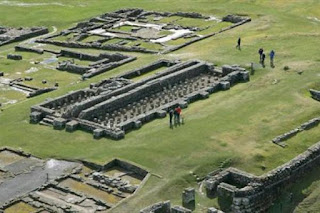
[[235, 126]]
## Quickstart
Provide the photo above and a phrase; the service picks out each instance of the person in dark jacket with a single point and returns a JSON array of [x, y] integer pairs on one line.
[[272, 54], [260, 54], [262, 59], [170, 117], [239, 44]]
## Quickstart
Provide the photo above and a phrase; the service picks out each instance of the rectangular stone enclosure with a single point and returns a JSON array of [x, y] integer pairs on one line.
[[137, 30], [115, 106]]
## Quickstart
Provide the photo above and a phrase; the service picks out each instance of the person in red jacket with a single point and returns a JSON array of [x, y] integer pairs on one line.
[[178, 112]]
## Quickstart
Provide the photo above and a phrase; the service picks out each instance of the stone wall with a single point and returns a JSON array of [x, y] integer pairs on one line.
[[256, 193], [28, 49], [29, 33], [145, 69], [164, 207], [305, 126], [101, 63], [112, 107], [107, 22], [315, 94]]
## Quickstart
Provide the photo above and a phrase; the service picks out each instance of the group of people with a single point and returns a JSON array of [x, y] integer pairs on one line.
[[175, 117], [263, 57], [261, 53]]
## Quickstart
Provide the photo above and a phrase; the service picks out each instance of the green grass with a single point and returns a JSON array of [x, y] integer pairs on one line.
[[237, 124]]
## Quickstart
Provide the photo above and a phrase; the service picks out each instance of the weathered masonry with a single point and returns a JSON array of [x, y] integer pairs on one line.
[[250, 193], [100, 63], [136, 30], [62, 186], [112, 107], [9, 35]]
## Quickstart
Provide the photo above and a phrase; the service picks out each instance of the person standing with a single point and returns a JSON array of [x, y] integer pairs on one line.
[[239, 44], [260, 53], [175, 114], [170, 117], [262, 59], [178, 109], [272, 54]]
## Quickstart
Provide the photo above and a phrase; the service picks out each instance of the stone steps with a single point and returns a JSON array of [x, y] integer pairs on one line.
[[46, 122]]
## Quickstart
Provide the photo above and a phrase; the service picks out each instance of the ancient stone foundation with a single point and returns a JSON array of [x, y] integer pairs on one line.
[[63, 186], [115, 106], [145, 33], [100, 63], [250, 193], [9, 35], [279, 140], [164, 207]]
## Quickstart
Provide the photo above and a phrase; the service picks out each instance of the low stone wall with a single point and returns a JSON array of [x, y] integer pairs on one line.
[[315, 94], [143, 90], [256, 193], [127, 166], [110, 47], [34, 32], [164, 207], [28, 49], [41, 91], [174, 48], [102, 63], [142, 70], [305, 126]]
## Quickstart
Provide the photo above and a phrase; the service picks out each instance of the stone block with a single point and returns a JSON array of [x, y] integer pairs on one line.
[[14, 57], [28, 78], [137, 124], [59, 123], [212, 210], [204, 95], [183, 104], [226, 69], [226, 190], [180, 209], [36, 117], [161, 114], [225, 85], [189, 198], [315, 94], [98, 133], [245, 76], [72, 126]]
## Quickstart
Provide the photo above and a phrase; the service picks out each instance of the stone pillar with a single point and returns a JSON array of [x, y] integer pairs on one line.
[[212, 210], [189, 198]]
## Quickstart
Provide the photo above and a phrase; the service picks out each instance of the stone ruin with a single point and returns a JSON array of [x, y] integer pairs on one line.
[[250, 193], [10, 35], [279, 140], [62, 186], [164, 207], [315, 94], [115, 106], [100, 63], [188, 197], [136, 30], [29, 90]]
